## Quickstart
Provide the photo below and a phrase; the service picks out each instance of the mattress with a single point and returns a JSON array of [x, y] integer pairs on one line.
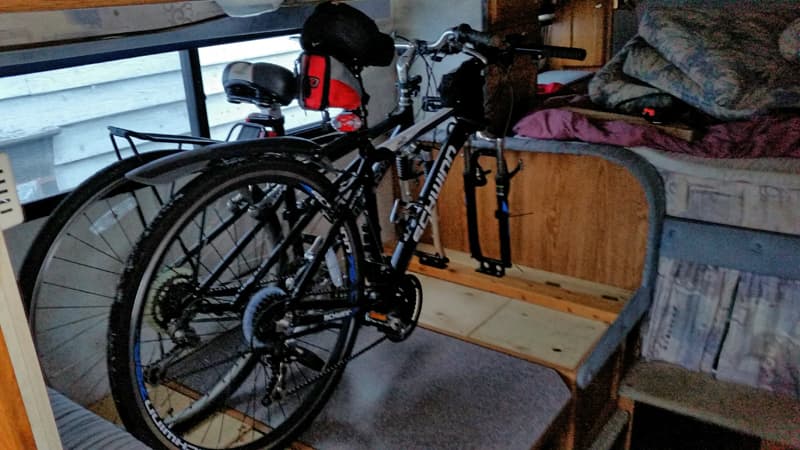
[[737, 326], [761, 194]]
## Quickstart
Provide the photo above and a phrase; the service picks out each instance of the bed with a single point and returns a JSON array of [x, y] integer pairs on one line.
[[734, 319], [726, 299]]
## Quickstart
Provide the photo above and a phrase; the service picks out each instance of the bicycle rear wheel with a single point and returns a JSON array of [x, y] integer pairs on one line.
[[69, 276], [216, 337]]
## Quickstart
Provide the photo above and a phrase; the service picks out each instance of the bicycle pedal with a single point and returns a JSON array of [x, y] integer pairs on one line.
[[387, 323], [378, 317]]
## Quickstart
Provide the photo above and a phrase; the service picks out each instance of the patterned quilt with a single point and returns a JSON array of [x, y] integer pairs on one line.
[[728, 64]]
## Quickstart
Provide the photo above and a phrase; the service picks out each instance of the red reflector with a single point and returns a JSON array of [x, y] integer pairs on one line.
[[347, 122]]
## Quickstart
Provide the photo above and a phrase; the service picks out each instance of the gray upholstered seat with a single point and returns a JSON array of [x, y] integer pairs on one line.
[[81, 429]]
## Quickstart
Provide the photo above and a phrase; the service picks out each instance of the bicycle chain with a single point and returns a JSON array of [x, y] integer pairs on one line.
[[333, 368]]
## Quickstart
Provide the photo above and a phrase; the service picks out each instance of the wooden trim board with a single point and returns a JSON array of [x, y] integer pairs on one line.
[[11, 6], [738, 407], [575, 301], [565, 282], [22, 354], [677, 130], [15, 429]]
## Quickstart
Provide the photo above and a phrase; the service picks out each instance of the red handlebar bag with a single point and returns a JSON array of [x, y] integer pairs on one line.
[[327, 83]]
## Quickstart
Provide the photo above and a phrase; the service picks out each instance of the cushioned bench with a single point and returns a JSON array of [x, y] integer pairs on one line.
[[81, 429]]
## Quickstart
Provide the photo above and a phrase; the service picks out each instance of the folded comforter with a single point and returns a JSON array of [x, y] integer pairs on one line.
[[727, 63]]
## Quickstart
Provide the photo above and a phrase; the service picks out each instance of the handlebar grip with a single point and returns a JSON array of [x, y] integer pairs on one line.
[[552, 51], [469, 35]]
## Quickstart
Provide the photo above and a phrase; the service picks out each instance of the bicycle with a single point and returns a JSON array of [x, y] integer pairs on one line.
[[69, 276], [243, 299]]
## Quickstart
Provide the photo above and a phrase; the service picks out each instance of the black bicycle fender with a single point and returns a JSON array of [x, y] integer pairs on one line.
[[170, 168]]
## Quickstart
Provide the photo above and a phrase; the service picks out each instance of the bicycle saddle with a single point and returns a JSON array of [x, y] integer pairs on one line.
[[259, 83]]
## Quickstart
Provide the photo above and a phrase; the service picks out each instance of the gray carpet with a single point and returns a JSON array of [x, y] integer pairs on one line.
[[436, 392]]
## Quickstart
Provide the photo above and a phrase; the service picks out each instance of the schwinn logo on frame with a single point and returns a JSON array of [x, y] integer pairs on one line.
[[436, 188]]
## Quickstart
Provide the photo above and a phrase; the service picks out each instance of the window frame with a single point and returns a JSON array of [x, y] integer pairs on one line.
[[185, 40]]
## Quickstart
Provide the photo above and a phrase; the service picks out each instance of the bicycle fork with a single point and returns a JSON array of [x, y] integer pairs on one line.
[[474, 177]]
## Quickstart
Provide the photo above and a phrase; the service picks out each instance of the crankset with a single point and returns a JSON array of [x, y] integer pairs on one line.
[[398, 317]]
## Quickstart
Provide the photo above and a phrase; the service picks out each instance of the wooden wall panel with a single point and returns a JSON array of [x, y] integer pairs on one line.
[[575, 215], [15, 430], [510, 91], [52, 5], [584, 24], [508, 13]]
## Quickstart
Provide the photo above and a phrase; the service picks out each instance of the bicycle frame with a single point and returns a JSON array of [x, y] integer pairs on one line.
[[361, 176]]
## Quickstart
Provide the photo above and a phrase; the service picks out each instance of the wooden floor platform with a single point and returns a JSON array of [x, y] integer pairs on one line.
[[538, 334], [570, 295], [547, 318]]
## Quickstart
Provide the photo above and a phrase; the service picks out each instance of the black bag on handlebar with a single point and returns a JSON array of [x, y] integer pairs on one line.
[[462, 90], [348, 35]]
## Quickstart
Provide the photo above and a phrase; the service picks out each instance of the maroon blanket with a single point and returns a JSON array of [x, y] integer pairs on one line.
[[761, 137]]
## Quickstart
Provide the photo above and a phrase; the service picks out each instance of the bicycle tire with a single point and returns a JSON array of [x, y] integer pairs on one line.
[[171, 401], [58, 288]]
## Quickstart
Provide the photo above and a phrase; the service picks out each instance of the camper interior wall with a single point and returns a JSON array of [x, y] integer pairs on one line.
[[424, 19]]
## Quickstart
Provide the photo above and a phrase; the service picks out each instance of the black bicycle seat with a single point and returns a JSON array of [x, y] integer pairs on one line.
[[259, 83]]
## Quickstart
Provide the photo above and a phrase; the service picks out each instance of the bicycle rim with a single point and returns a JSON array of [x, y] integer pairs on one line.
[[69, 276]]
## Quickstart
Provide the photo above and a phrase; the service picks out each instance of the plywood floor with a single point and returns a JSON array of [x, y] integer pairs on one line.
[[553, 338]]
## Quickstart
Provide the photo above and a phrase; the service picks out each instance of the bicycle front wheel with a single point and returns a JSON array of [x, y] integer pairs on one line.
[[69, 276], [237, 310]]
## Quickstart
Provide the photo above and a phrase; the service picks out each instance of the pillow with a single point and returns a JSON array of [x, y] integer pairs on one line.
[[789, 42]]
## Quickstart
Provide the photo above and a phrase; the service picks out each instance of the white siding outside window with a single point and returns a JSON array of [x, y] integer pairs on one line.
[[53, 123]]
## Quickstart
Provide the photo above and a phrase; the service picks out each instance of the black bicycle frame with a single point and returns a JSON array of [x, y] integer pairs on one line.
[[374, 162]]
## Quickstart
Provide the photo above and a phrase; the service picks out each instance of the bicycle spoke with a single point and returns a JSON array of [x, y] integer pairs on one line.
[[72, 337], [82, 291], [70, 323], [111, 255], [117, 221], [88, 266]]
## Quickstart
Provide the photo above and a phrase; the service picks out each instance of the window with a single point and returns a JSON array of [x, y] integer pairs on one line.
[[282, 50], [53, 123]]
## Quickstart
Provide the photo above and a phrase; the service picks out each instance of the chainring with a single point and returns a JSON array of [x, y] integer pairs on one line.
[[407, 307]]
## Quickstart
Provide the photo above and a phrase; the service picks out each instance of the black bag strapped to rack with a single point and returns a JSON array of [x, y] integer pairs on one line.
[[327, 83], [347, 34]]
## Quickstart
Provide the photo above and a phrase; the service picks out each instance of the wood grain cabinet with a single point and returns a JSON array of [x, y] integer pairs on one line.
[[585, 24]]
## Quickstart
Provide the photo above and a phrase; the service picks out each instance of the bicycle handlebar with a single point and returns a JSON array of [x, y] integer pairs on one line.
[[452, 41], [467, 35], [552, 51]]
